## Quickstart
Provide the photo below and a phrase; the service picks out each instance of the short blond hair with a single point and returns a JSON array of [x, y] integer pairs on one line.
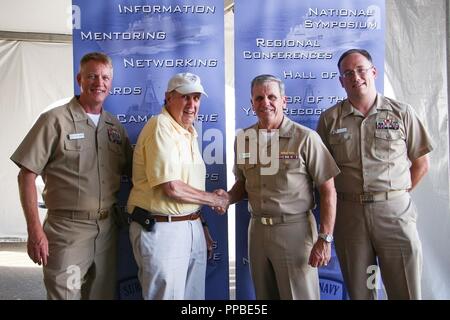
[[96, 56]]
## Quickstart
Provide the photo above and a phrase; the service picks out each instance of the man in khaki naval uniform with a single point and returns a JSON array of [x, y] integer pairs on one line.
[[80, 150], [380, 146], [283, 245]]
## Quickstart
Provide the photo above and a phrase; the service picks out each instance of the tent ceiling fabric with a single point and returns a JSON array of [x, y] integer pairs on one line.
[[35, 37], [39, 16]]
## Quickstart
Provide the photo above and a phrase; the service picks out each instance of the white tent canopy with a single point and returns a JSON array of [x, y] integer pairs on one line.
[[36, 69]]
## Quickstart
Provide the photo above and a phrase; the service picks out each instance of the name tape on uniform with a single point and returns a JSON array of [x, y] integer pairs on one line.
[[76, 136], [340, 130]]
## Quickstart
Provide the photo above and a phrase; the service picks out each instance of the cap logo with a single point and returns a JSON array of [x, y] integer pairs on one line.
[[191, 78]]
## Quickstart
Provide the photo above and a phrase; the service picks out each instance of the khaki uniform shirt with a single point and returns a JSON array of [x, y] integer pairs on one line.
[[164, 152], [303, 161], [81, 164], [374, 152]]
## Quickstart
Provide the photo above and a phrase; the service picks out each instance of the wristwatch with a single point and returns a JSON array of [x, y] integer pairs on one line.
[[326, 237]]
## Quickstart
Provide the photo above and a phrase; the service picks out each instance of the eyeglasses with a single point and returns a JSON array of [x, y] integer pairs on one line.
[[359, 71]]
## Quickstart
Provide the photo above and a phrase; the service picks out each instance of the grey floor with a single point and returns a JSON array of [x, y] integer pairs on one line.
[[20, 278]]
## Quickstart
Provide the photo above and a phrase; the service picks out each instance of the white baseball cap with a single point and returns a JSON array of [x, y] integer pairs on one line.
[[185, 83]]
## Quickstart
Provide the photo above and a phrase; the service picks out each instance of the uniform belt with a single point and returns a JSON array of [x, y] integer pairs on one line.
[[369, 197], [285, 218], [81, 215], [173, 218]]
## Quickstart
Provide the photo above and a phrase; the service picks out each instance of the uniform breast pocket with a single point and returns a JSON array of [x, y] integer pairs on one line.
[[344, 148], [290, 174], [73, 145], [72, 154], [251, 173], [115, 149], [389, 144], [116, 156]]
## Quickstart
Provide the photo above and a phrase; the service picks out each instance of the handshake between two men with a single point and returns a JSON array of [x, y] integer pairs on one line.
[[222, 201], [224, 198]]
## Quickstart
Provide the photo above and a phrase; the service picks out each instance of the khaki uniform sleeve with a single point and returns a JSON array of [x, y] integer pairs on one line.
[[418, 140], [321, 165], [239, 175], [322, 131], [38, 145], [162, 161]]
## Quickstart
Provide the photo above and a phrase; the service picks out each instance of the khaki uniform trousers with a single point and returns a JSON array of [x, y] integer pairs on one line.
[[385, 230], [82, 258], [279, 255]]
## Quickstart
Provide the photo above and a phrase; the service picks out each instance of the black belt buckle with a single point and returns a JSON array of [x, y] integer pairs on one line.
[[144, 218], [366, 198]]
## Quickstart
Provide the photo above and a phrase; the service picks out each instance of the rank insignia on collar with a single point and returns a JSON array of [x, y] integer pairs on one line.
[[114, 135], [387, 124]]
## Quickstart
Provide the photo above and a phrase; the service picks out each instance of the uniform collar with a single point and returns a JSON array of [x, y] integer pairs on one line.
[[76, 110], [347, 108], [177, 126], [286, 129], [78, 114], [381, 103]]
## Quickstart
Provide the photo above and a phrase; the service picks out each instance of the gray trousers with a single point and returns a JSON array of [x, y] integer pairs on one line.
[[171, 260]]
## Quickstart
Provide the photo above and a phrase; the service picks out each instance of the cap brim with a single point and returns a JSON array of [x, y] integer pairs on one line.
[[190, 89]]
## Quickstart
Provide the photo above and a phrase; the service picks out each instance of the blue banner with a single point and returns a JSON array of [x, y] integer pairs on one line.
[[149, 41], [300, 42]]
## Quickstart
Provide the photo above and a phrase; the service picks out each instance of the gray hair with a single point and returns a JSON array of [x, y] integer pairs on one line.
[[267, 78]]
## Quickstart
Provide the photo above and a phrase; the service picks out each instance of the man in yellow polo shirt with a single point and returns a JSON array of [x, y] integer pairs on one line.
[[168, 190]]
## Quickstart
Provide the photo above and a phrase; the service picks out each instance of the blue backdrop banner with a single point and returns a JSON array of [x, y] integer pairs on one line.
[[149, 41], [299, 42]]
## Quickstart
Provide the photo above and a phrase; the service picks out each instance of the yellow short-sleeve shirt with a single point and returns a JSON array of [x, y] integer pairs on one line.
[[164, 152]]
